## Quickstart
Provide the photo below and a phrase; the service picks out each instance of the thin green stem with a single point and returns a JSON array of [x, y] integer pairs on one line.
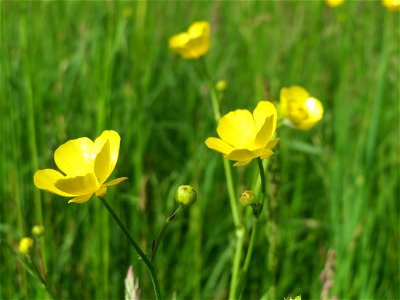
[[257, 208], [31, 125], [251, 246], [227, 168], [249, 254], [236, 262], [262, 178], [162, 232], [231, 191], [146, 260]]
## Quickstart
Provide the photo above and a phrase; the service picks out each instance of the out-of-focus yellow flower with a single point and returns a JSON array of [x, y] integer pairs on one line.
[[25, 245], [193, 43], [299, 109], [392, 5], [245, 136], [334, 3], [86, 165]]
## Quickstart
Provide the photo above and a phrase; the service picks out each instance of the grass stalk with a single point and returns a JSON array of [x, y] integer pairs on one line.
[[143, 256]]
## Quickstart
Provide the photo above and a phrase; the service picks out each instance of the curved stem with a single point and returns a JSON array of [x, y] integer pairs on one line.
[[146, 260], [162, 232]]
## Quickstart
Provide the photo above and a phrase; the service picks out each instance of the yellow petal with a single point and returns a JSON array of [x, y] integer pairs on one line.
[[314, 108], [199, 43], [178, 42], [272, 143], [242, 163], [243, 154], [199, 29], [264, 110], [75, 157], [46, 179], [193, 43], [79, 185], [115, 181], [294, 92], [101, 192], [81, 199], [266, 132], [294, 95], [237, 128], [219, 145], [114, 140], [265, 153], [102, 163]]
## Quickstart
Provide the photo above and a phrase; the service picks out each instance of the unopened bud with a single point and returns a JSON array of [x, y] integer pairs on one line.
[[221, 85], [185, 195], [37, 230], [247, 198], [25, 245]]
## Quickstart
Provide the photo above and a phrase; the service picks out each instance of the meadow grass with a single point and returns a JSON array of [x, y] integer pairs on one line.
[[72, 69]]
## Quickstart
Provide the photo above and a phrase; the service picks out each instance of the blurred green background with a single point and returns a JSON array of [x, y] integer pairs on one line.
[[73, 69]]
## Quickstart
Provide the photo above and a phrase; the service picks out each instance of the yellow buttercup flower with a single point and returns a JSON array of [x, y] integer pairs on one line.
[[299, 109], [86, 165], [245, 136], [25, 245], [193, 43], [334, 3], [392, 5]]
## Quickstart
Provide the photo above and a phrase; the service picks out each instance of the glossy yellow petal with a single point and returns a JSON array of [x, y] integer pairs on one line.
[[115, 181], [199, 43], [243, 154], [292, 96], [264, 110], [237, 128], [193, 43], [393, 5], [266, 132], [75, 157], [79, 185], [101, 192], [219, 145], [199, 29], [265, 153], [272, 143], [114, 140], [334, 3], [178, 43], [242, 163], [46, 179], [81, 199], [314, 108], [102, 163]]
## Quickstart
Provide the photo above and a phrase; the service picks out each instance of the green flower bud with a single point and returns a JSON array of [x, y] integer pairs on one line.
[[221, 85], [247, 198], [185, 195], [37, 230]]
